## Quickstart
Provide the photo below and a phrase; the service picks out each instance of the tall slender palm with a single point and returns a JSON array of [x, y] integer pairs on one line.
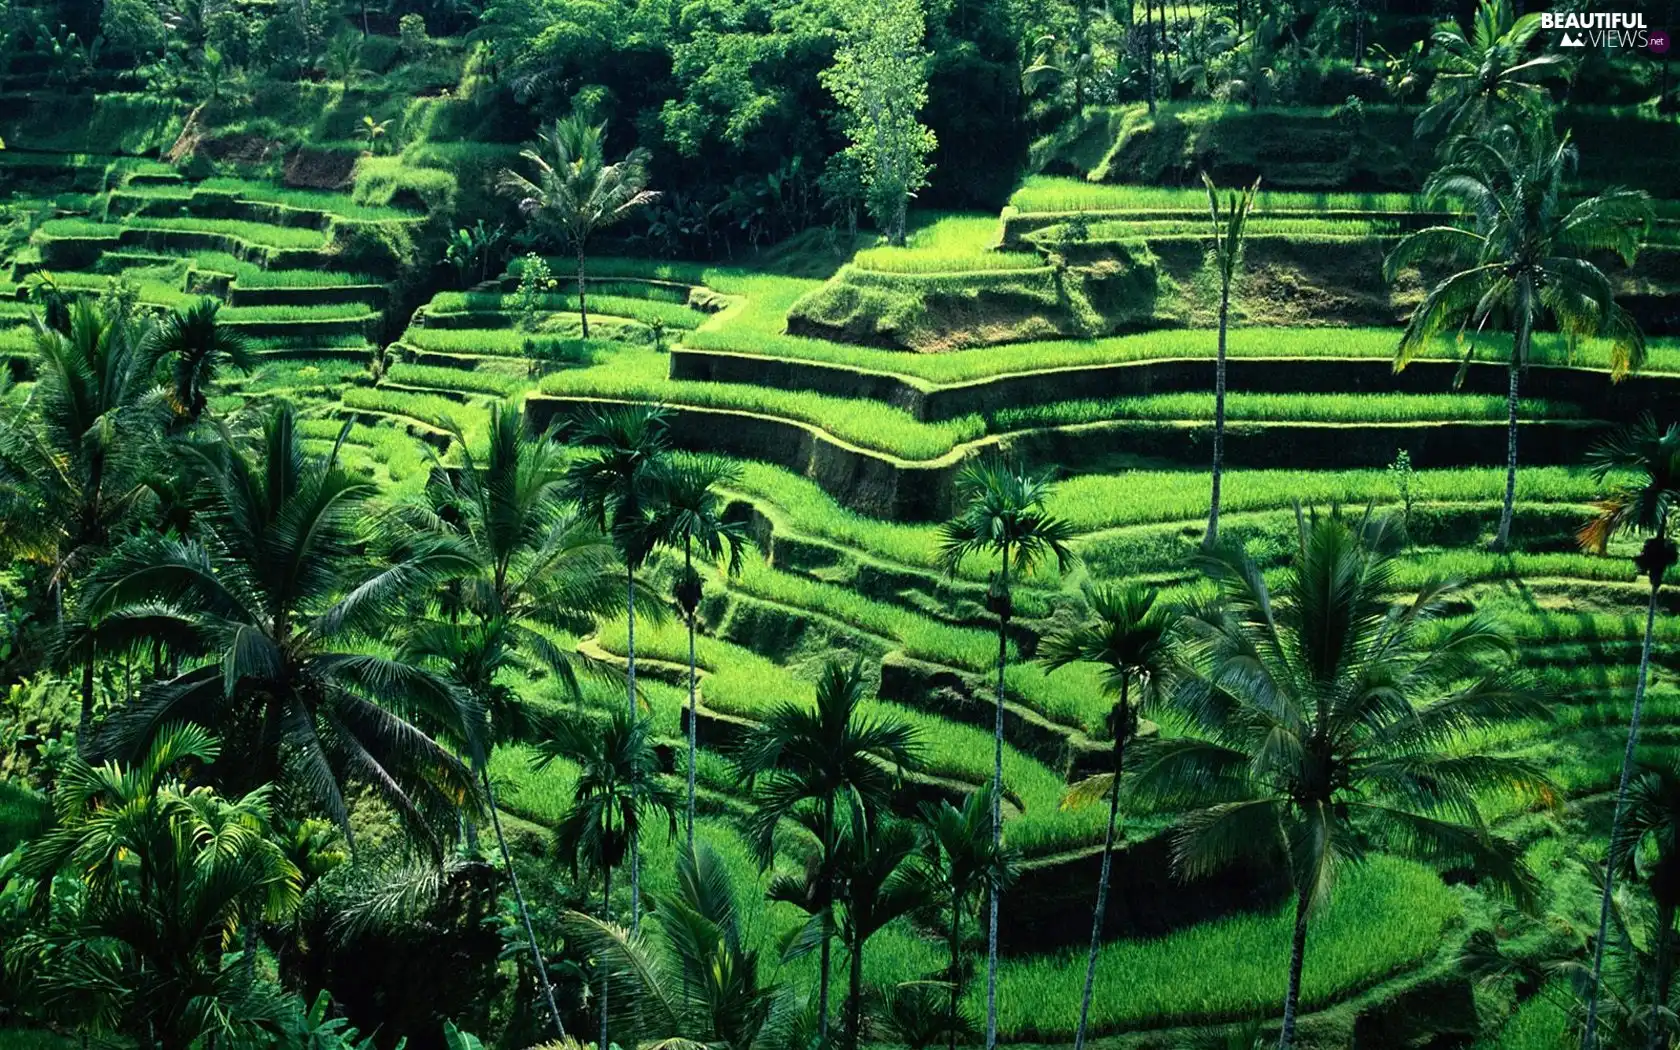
[[1526, 257], [967, 867], [1325, 721], [197, 344], [1130, 636], [884, 882], [1002, 512], [699, 982], [615, 481], [1652, 819], [691, 512], [168, 875], [536, 566], [575, 192], [1230, 226], [1640, 505], [618, 789], [74, 454], [272, 611], [1489, 74], [834, 756]]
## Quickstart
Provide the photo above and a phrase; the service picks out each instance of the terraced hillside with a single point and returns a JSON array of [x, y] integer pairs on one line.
[[1069, 334]]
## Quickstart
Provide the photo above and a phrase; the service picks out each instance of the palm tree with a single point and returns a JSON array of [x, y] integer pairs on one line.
[[1488, 75], [691, 512], [75, 453], [700, 983], [1640, 506], [1226, 256], [1652, 817], [1324, 721], [830, 755], [576, 192], [197, 344], [536, 566], [1002, 513], [1527, 257], [168, 875], [616, 482], [1130, 637], [271, 611], [967, 866], [618, 788], [877, 864]]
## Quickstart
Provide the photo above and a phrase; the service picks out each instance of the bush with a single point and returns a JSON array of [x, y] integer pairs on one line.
[[388, 181], [377, 247]]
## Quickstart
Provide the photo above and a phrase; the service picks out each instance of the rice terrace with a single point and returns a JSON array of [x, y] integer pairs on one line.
[[839, 525]]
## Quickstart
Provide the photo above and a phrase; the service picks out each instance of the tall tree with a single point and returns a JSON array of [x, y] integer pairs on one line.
[[535, 565], [1229, 229], [1640, 506], [1647, 847], [833, 756], [1324, 721], [884, 883], [618, 789], [691, 509], [615, 481], [879, 79], [75, 454], [575, 193], [1002, 512], [197, 344], [1525, 257], [967, 867], [1129, 636], [1488, 75], [271, 612], [167, 875]]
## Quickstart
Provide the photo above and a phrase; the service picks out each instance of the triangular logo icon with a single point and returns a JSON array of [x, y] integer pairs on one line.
[[1573, 41]]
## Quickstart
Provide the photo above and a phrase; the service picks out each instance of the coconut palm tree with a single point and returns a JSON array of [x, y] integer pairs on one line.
[[1001, 512], [536, 566], [1640, 506], [1129, 636], [1229, 229], [691, 513], [271, 611], [616, 482], [831, 756], [878, 866], [1489, 74], [1525, 257], [575, 192], [698, 982], [618, 789], [1648, 847], [196, 344], [166, 876], [75, 453], [1324, 721], [967, 867]]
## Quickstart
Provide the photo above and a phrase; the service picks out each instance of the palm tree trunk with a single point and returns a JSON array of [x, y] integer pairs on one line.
[[84, 726], [606, 916], [691, 730], [854, 1009], [524, 912], [1297, 957], [956, 971], [1665, 975], [1212, 535], [1503, 540], [583, 306], [827, 904], [997, 804], [1590, 1031], [630, 667], [1149, 48], [1101, 912]]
